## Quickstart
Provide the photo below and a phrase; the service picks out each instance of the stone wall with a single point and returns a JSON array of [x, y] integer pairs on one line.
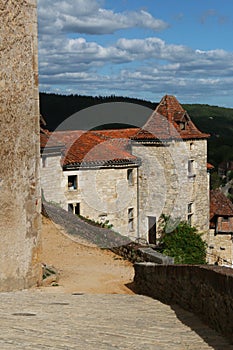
[[204, 290], [167, 187], [20, 203], [220, 248], [103, 194], [138, 253], [52, 180]]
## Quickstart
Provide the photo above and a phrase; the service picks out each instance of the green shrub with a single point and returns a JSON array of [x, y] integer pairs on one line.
[[184, 243]]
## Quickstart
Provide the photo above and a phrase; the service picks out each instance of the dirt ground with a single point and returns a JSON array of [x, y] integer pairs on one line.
[[83, 268]]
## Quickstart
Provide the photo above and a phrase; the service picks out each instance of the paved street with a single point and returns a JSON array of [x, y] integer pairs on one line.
[[38, 320]]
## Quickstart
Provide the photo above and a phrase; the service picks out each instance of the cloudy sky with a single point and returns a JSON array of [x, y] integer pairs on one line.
[[138, 48]]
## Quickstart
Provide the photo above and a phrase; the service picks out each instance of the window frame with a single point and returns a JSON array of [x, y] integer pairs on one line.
[[73, 181], [191, 168], [130, 177], [131, 219], [190, 212]]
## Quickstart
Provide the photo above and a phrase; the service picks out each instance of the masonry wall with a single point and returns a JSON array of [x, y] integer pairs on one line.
[[204, 290], [167, 187], [53, 183], [106, 195], [220, 248], [19, 149], [102, 194]]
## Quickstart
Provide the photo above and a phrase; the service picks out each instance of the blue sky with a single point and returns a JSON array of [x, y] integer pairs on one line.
[[138, 48]]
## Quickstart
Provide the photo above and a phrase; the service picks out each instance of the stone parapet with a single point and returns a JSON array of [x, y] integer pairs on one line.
[[205, 290], [135, 253]]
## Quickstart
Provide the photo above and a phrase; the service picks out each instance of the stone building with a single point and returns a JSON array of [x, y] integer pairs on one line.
[[20, 147], [130, 177], [221, 229]]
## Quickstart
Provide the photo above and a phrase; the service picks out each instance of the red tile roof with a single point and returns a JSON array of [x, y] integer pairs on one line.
[[48, 141], [115, 145], [169, 121], [119, 133], [94, 148], [210, 166], [220, 205]]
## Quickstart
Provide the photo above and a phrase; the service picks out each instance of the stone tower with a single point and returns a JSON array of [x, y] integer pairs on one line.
[[19, 149], [173, 178]]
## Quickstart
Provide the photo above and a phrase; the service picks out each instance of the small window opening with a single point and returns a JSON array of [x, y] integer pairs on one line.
[[182, 125], [131, 219], [74, 208], [190, 213], [130, 176], [72, 182], [191, 167], [152, 229]]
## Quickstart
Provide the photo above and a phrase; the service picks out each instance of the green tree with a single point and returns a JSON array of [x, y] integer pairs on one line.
[[184, 243], [215, 181]]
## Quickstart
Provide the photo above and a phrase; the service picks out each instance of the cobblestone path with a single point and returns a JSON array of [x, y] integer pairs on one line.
[[38, 320]]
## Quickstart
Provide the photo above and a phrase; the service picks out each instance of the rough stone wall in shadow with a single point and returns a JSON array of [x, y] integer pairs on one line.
[[204, 290], [19, 146]]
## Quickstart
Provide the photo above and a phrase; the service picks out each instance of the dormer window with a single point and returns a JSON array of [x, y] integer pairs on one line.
[[182, 125]]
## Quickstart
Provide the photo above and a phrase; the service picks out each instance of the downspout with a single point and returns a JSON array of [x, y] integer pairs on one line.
[[138, 234]]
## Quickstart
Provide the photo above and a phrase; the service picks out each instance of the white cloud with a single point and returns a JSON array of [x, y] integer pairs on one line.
[[87, 17], [76, 62], [140, 67]]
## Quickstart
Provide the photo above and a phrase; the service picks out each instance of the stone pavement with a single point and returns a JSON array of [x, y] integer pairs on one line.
[[37, 320]]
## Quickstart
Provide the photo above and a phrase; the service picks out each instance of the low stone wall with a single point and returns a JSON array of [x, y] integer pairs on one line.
[[204, 290], [137, 253]]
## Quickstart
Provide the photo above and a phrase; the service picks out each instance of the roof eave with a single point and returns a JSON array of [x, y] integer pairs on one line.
[[103, 164]]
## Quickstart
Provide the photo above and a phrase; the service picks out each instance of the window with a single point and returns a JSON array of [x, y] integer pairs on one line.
[[131, 219], [72, 182], [74, 208], [190, 213], [191, 146], [182, 125], [130, 176], [191, 168], [152, 229]]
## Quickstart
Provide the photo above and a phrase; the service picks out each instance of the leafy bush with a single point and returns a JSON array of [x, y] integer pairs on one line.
[[184, 243]]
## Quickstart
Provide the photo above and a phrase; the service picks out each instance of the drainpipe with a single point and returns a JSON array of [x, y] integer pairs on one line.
[[138, 234]]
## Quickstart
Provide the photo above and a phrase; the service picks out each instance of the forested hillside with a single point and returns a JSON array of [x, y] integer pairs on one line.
[[217, 121]]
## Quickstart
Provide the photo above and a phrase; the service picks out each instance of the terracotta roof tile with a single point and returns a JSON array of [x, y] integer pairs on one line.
[[169, 121], [115, 145], [95, 147], [220, 205], [46, 141], [210, 166]]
